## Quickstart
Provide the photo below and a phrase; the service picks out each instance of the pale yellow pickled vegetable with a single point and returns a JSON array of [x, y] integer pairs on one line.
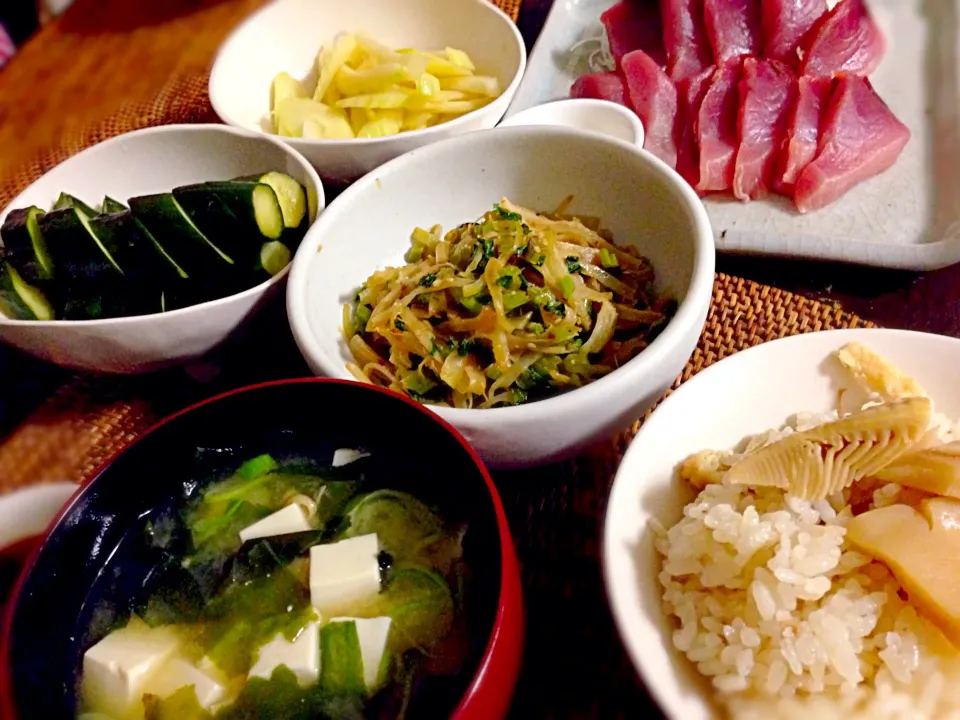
[[285, 86], [365, 89]]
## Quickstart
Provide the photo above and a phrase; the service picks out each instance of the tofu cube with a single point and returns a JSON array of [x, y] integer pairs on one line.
[[285, 521], [116, 669], [345, 456], [177, 673], [344, 574], [373, 634], [301, 656]]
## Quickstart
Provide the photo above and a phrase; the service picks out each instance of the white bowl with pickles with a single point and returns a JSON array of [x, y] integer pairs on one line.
[[351, 85], [151, 248]]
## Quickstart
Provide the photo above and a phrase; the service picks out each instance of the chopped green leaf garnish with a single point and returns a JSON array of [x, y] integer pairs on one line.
[[506, 214], [489, 248], [505, 281], [541, 259], [428, 279], [520, 250], [573, 264], [399, 324]]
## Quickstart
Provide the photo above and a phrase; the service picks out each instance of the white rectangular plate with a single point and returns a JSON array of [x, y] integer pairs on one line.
[[908, 217]]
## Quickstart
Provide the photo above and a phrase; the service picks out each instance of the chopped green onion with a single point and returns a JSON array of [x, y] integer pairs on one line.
[[535, 328], [414, 382], [566, 286], [428, 279], [421, 237], [573, 264], [514, 299], [520, 251], [517, 396], [505, 281], [489, 248], [608, 259], [577, 344], [540, 260], [471, 304], [576, 364], [361, 316], [399, 324], [414, 253], [433, 347]]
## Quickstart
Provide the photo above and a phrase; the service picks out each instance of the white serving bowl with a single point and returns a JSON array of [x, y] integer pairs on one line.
[[287, 35], [138, 163], [642, 201], [747, 393]]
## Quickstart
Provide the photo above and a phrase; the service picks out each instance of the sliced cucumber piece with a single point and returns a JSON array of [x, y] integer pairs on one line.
[[170, 226], [109, 205], [25, 246], [242, 240], [253, 203], [20, 300], [274, 257], [78, 250], [67, 200], [168, 267], [290, 193]]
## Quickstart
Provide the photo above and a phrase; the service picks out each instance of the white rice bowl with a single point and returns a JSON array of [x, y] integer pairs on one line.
[[756, 592]]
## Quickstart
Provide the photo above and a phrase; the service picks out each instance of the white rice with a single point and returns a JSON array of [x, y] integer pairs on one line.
[[789, 622]]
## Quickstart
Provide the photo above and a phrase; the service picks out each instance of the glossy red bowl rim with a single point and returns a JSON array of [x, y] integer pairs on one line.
[[490, 691]]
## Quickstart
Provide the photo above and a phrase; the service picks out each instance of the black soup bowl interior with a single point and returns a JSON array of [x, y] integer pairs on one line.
[[98, 562]]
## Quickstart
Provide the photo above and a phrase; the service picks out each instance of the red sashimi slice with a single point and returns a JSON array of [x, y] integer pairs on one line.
[[785, 23], [685, 38], [766, 91], [844, 40], [634, 25], [803, 129], [690, 93], [653, 97], [717, 133], [733, 28], [600, 86], [861, 138]]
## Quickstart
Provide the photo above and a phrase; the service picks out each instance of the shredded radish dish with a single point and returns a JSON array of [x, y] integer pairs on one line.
[[511, 308]]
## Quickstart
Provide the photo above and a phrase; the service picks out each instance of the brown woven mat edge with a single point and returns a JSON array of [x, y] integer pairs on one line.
[[86, 421]]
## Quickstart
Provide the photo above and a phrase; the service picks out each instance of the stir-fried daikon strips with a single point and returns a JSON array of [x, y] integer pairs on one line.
[[877, 375], [828, 458]]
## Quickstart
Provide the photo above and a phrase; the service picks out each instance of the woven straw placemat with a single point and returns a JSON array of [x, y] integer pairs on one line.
[[574, 665]]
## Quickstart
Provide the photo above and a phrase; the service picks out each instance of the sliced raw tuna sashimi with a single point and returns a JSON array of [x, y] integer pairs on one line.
[[785, 23], [844, 40], [653, 97], [600, 86], [634, 25], [733, 28], [767, 90], [690, 93], [861, 138], [717, 132], [685, 38], [803, 129]]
